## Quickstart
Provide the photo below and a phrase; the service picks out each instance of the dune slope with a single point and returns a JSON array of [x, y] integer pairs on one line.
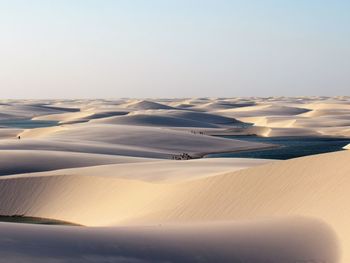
[[290, 240]]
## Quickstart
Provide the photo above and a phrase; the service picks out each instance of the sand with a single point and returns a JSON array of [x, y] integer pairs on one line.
[[108, 167], [223, 242]]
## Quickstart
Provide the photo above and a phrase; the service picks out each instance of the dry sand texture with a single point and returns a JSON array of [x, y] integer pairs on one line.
[[106, 165]]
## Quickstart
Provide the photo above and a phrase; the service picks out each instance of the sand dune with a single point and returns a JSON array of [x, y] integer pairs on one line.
[[83, 116], [331, 104], [152, 142], [271, 122], [65, 117], [276, 113], [104, 166], [145, 105], [189, 115], [154, 120], [303, 132], [327, 112], [9, 133], [264, 110], [298, 187], [170, 118], [296, 117], [30, 110], [223, 105], [41, 132], [290, 240], [27, 161], [155, 170], [242, 195]]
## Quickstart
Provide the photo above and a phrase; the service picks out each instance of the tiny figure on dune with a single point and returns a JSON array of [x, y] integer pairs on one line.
[[19, 137]]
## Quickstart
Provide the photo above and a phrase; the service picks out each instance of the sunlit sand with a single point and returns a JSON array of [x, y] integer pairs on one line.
[[130, 178]]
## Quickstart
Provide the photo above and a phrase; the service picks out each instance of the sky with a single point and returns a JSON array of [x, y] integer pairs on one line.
[[173, 48]]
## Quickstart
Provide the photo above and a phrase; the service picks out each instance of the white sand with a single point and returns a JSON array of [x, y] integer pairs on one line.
[[279, 190], [107, 166], [129, 140], [290, 240], [27, 161]]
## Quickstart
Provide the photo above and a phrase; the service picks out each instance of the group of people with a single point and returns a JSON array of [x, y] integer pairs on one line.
[[182, 156], [195, 132]]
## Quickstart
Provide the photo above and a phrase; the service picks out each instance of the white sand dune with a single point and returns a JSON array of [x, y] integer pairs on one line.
[[263, 110], [145, 105], [170, 118], [321, 122], [222, 105], [152, 142], [27, 161], [282, 126], [189, 115], [104, 167], [275, 113], [65, 117], [155, 120], [331, 104], [155, 170], [271, 122], [9, 133], [298, 187], [295, 117], [82, 116], [247, 194], [60, 195], [289, 240], [31, 110], [326, 112], [276, 132]]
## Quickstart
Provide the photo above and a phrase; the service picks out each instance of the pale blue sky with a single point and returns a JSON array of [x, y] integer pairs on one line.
[[173, 48]]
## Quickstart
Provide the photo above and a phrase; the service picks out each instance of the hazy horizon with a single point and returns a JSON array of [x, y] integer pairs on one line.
[[173, 49]]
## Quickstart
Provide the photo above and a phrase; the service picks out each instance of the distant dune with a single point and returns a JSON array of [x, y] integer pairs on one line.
[[129, 140], [145, 105]]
